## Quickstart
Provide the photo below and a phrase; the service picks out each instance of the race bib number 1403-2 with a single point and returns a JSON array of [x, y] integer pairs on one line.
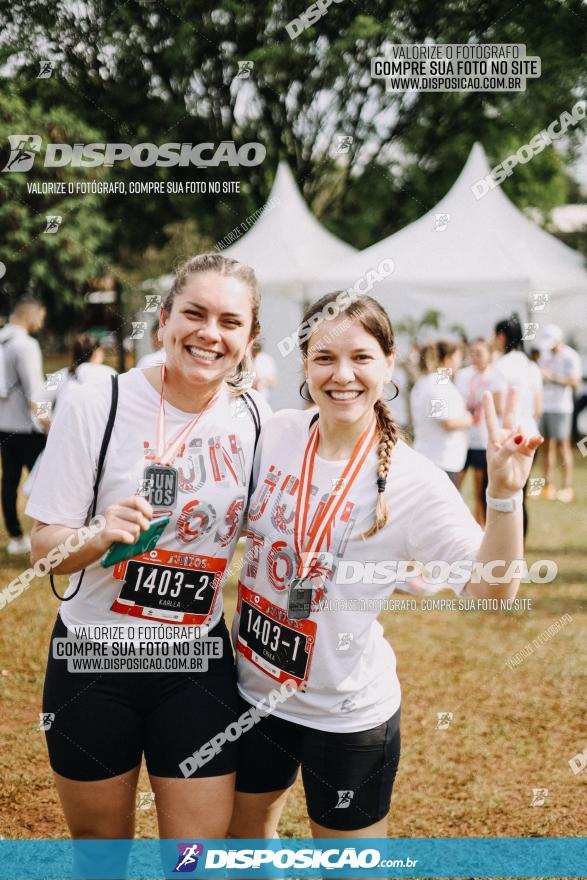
[[169, 586]]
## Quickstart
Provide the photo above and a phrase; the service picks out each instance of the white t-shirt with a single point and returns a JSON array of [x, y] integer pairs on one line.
[[447, 449], [214, 467], [23, 374], [566, 364], [471, 383], [153, 359], [517, 369], [343, 689], [56, 386]]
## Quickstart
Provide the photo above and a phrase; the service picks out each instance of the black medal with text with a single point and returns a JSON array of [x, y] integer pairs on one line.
[[161, 485]]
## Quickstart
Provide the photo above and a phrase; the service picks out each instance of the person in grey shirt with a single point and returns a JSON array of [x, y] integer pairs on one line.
[[21, 436]]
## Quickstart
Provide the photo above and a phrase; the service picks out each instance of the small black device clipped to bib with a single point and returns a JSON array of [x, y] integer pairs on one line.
[[299, 600]]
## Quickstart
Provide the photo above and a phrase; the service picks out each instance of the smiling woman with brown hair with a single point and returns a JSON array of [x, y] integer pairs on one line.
[[174, 452]]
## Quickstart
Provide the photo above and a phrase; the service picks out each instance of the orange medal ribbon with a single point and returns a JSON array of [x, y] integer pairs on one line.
[[165, 454], [323, 521]]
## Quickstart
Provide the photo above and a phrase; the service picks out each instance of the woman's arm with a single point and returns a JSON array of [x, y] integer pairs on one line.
[[508, 465], [459, 422], [124, 521], [554, 379], [503, 540]]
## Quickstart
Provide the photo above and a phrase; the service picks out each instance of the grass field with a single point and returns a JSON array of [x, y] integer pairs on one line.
[[512, 730]]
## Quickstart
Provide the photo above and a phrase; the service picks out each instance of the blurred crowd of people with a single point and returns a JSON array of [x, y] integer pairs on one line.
[[441, 385]]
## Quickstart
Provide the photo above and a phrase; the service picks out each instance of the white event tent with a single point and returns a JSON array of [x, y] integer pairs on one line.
[[287, 247], [476, 261]]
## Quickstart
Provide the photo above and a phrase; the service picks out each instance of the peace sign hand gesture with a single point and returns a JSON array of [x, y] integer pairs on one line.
[[509, 454]]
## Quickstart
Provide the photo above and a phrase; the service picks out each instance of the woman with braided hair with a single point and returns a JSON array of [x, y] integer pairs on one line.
[[341, 510]]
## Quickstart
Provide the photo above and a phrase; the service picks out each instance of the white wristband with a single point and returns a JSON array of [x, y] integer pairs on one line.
[[505, 505]]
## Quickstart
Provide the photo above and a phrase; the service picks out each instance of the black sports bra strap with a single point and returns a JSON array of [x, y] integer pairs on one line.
[[254, 413], [101, 457]]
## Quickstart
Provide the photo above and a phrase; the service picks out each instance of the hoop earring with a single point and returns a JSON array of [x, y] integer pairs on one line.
[[308, 399], [389, 399]]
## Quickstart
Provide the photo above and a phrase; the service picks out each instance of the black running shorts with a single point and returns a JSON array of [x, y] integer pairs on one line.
[[348, 777], [104, 722]]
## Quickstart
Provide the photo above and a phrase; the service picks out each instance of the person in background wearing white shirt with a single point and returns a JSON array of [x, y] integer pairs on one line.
[[21, 440], [265, 371], [157, 356], [87, 365], [472, 382], [439, 414], [561, 373], [515, 369], [339, 491]]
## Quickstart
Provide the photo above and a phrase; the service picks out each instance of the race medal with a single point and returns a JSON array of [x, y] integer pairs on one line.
[[299, 600], [161, 482]]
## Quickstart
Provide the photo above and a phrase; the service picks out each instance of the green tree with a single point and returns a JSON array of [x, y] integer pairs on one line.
[[161, 72], [56, 267]]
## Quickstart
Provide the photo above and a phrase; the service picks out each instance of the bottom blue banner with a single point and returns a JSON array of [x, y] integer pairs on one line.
[[402, 857]]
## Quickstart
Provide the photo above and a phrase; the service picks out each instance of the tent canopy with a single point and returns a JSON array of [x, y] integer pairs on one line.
[[474, 260], [287, 247], [469, 258]]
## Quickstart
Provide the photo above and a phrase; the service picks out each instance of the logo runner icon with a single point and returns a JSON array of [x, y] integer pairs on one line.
[[189, 854], [24, 148]]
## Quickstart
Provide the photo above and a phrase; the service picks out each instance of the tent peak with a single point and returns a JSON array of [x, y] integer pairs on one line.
[[285, 188], [287, 245], [476, 166]]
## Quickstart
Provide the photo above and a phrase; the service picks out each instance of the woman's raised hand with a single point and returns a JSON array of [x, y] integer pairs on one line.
[[509, 453]]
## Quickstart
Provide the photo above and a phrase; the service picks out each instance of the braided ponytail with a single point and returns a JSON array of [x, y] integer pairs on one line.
[[389, 433]]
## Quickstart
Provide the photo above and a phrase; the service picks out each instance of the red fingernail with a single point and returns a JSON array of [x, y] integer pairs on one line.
[[518, 439]]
